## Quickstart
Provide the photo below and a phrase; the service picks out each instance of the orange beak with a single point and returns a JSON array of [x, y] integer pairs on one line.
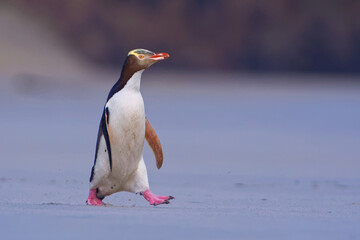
[[160, 56]]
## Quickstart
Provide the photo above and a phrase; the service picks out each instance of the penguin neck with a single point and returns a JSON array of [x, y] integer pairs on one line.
[[134, 82], [126, 82]]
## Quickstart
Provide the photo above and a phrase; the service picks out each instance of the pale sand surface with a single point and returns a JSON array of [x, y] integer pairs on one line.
[[244, 160]]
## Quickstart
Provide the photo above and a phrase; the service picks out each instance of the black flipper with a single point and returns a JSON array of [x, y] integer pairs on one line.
[[106, 135], [102, 132]]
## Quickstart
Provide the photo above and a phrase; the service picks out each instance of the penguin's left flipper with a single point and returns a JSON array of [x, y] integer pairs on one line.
[[154, 143]]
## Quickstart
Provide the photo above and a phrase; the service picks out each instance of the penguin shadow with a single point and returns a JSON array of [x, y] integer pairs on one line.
[[130, 206], [53, 204], [109, 205], [106, 205]]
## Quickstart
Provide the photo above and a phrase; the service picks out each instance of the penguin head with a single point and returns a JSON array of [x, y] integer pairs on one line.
[[139, 59], [142, 58]]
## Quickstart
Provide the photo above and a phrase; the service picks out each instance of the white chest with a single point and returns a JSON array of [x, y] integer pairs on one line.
[[126, 110], [126, 107]]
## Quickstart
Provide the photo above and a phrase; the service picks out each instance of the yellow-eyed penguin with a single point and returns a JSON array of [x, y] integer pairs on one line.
[[119, 164]]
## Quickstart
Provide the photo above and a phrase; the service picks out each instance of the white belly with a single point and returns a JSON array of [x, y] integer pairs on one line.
[[126, 129]]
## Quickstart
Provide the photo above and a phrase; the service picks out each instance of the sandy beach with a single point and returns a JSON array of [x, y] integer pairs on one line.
[[245, 158]]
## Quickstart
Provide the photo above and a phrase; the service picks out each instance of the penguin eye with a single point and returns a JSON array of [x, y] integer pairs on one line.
[[140, 56]]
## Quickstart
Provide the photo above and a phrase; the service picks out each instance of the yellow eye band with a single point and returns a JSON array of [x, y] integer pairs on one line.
[[133, 52], [136, 52]]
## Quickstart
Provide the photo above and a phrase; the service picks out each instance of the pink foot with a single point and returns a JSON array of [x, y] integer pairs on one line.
[[93, 200], [156, 200]]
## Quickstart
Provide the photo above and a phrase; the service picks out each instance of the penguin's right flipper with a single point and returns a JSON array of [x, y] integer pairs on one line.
[[102, 163], [154, 143]]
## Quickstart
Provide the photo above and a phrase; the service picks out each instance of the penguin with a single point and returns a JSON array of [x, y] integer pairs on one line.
[[119, 164]]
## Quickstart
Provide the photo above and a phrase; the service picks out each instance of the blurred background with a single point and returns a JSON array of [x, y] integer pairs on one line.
[[281, 35], [256, 88]]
